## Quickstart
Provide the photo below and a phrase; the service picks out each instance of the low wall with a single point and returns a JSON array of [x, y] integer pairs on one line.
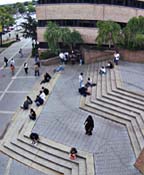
[[133, 56], [50, 61], [91, 56]]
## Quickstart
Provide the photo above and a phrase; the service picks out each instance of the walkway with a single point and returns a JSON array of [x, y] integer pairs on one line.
[[61, 120]]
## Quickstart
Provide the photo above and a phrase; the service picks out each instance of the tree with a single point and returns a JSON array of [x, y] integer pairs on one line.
[[30, 27], [108, 32], [31, 8], [53, 35], [133, 33], [20, 7], [5, 17], [75, 38]]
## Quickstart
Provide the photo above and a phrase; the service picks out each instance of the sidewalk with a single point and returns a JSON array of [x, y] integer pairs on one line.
[[61, 119]]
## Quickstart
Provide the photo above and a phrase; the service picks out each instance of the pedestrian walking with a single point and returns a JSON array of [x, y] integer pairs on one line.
[[12, 68], [26, 68], [5, 62], [21, 52], [116, 57], [12, 61], [36, 68], [81, 79], [89, 125]]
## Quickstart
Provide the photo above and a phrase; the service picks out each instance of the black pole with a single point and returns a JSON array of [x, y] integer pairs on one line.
[[1, 39]]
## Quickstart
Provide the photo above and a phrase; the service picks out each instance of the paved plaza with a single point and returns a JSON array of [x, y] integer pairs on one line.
[[61, 120]]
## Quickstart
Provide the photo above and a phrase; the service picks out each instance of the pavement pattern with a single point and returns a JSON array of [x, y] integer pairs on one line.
[[61, 119]]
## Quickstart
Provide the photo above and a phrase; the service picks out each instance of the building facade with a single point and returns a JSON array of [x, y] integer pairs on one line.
[[82, 15]]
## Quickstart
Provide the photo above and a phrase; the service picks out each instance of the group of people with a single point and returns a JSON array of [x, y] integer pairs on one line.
[[11, 63], [88, 124], [73, 57], [110, 64], [85, 89], [64, 57]]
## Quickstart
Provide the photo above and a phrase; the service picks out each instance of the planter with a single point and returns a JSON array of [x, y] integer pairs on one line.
[[50, 61], [133, 56], [91, 56]]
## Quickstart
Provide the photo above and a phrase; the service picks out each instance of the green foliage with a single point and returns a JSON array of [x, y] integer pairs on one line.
[[55, 34], [47, 54], [109, 32], [20, 7], [133, 33], [76, 38], [31, 8], [30, 27], [5, 17]]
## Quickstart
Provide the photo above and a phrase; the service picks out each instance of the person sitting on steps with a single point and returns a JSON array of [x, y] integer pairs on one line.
[[45, 90], [26, 103], [32, 114], [85, 90], [73, 153], [89, 83], [46, 79], [102, 70], [110, 65], [39, 101], [34, 137]]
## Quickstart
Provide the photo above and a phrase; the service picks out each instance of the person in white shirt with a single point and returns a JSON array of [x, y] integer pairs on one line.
[[12, 61], [102, 70], [116, 57], [62, 57], [81, 79], [42, 95]]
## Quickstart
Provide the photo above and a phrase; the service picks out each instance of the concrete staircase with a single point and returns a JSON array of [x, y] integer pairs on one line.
[[111, 101], [48, 156]]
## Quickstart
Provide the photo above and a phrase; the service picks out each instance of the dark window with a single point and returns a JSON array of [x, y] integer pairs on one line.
[[130, 3]]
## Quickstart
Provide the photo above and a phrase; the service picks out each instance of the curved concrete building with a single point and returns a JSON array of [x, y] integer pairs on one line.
[[82, 15]]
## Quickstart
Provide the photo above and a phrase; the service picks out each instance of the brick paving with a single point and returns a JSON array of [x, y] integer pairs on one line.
[[133, 76], [61, 119]]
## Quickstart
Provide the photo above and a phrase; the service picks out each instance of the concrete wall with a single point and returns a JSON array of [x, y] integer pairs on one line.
[[134, 56], [87, 12], [127, 55], [88, 34]]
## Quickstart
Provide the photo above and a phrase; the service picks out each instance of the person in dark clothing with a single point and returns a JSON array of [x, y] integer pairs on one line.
[[89, 83], [39, 101], [34, 137], [32, 114], [73, 153], [110, 65], [26, 68], [84, 91], [46, 79], [25, 105], [6, 61], [45, 90], [29, 100], [89, 125], [36, 68]]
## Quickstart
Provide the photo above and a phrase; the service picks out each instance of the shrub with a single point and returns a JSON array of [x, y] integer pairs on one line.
[[47, 54]]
